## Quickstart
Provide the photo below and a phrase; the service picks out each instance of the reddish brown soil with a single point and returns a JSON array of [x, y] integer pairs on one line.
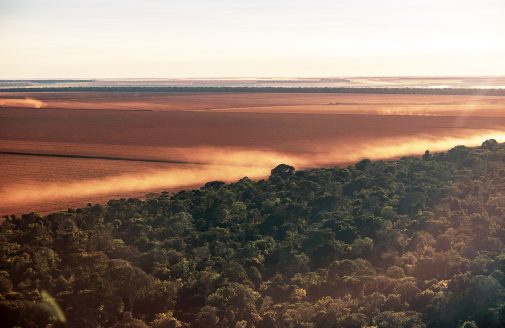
[[236, 130]]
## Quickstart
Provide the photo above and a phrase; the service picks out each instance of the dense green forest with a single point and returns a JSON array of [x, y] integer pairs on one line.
[[415, 242]]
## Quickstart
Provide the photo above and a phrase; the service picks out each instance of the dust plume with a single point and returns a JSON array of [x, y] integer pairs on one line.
[[153, 180], [232, 164], [18, 102], [390, 148], [346, 152]]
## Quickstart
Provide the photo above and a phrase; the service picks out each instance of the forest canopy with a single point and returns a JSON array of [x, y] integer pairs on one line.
[[416, 242]]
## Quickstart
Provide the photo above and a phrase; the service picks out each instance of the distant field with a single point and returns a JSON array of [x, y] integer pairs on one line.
[[130, 138], [343, 103]]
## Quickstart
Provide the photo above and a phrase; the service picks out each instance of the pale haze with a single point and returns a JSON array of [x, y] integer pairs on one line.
[[224, 38]]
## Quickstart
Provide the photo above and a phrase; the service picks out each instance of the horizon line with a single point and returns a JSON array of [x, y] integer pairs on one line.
[[252, 77]]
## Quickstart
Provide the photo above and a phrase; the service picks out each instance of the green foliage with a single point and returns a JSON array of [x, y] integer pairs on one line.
[[417, 242]]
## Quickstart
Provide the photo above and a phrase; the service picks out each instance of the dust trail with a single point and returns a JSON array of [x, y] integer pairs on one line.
[[346, 152], [17, 102], [389, 148], [233, 164], [154, 180]]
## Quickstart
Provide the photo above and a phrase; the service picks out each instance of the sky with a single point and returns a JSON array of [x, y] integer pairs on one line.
[[246, 38]]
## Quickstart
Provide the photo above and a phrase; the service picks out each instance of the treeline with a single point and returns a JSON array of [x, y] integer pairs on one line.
[[416, 242], [167, 89]]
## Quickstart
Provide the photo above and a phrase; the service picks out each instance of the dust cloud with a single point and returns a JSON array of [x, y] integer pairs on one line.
[[18, 102], [231, 164], [153, 180], [347, 152]]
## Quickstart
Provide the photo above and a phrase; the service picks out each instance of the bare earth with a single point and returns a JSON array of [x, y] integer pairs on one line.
[[105, 145]]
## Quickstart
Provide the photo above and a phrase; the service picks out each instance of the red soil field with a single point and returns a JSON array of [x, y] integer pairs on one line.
[[106, 144]]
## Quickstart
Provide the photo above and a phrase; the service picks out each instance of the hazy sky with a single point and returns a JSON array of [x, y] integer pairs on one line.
[[232, 38]]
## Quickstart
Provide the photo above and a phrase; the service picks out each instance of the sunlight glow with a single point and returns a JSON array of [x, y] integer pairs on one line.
[[195, 38]]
